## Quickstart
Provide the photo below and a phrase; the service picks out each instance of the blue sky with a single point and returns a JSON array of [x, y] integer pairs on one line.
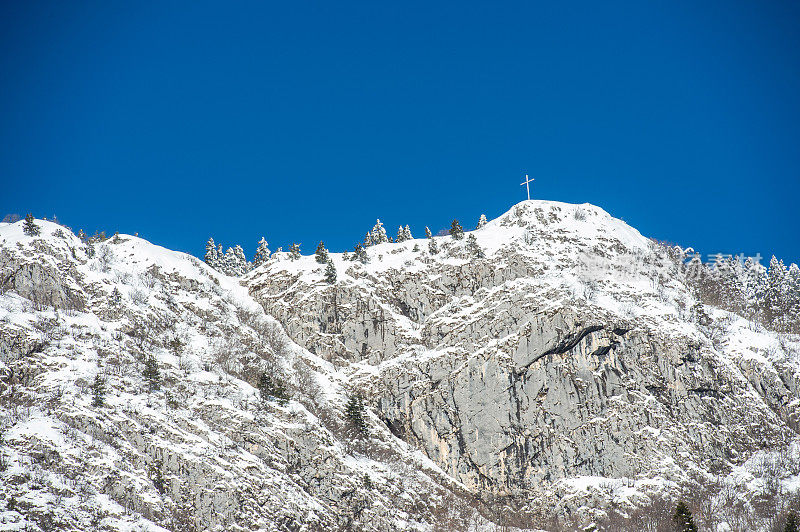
[[306, 121]]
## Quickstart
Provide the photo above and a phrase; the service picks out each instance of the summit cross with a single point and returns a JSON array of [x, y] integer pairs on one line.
[[527, 186]]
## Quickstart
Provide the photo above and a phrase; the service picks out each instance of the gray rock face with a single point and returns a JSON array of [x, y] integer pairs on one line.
[[514, 381], [45, 279], [561, 374], [202, 449]]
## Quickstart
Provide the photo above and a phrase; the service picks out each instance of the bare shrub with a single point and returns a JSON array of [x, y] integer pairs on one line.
[[105, 257], [628, 311], [769, 468], [147, 279], [274, 339], [590, 289], [48, 327], [223, 357], [123, 277], [247, 317], [142, 332], [310, 392], [453, 513], [653, 517], [138, 297]]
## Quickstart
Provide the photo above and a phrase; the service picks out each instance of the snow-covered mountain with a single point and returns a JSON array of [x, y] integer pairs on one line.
[[551, 370]]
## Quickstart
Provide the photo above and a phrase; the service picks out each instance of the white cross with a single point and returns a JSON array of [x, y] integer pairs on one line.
[[527, 186]]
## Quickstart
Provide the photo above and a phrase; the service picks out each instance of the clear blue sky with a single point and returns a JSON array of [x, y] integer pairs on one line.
[[306, 121]]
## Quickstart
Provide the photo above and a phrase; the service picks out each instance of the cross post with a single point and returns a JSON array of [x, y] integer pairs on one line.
[[527, 186]]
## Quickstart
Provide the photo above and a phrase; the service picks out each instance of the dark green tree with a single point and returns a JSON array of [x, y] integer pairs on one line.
[[355, 414], [116, 296], [151, 373], [29, 227], [474, 249], [262, 253], [360, 254], [212, 254], [456, 231], [330, 273], [270, 387], [792, 524], [157, 477], [176, 346], [98, 391], [321, 255], [683, 519], [294, 251]]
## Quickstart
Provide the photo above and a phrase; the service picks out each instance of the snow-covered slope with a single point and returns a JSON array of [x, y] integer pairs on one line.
[[565, 367], [201, 452], [556, 374]]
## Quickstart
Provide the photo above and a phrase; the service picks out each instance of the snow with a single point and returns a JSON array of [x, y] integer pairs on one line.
[[87, 343], [565, 242]]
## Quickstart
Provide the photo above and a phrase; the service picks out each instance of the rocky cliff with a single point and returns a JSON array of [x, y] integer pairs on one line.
[[554, 372]]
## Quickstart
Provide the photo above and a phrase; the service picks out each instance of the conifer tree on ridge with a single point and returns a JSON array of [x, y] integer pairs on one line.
[[262, 253]]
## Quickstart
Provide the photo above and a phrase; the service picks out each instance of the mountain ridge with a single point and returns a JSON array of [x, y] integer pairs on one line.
[[556, 371]]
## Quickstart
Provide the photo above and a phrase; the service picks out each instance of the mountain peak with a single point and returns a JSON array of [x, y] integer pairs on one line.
[[554, 359]]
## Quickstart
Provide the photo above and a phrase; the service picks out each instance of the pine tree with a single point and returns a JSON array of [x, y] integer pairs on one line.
[[481, 221], [270, 387], [683, 519], [321, 255], [157, 477], [777, 293], [792, 523], [29, 227], [115, 297], [354, 412], [330, 273], [175, 346], [225, 263], [793, 303], [433, 249], [456, 231], [241, 265], [212, 255], [407, 233], [428, 233], [368, 240], [401, 234], [473, 247], [378, 233], [733, 285], [294, 251], [231, 262], [151, 373], [98, 391], [262, 253], [755, 284], [360, 254]]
